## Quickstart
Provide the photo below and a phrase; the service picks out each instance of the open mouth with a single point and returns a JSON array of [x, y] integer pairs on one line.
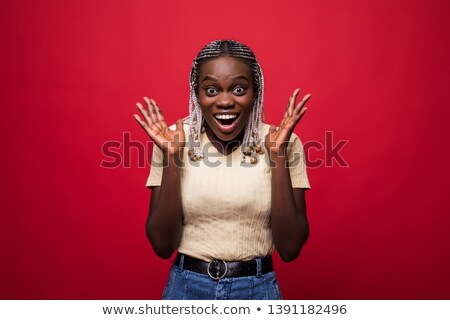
[[226, 120]]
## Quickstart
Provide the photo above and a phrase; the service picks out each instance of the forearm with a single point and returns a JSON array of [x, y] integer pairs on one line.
[[289, 224], [164, 225]]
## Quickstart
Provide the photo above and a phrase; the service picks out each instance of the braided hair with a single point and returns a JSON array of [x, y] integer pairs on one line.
[[252, 140]]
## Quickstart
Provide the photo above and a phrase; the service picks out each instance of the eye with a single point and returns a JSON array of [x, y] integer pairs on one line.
[[211, 91], [239, 90]]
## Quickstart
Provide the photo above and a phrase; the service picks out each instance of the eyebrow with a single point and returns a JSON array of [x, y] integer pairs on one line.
[[240, 77]]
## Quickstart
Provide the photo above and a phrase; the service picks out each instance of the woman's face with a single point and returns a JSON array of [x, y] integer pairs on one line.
[[225, 95]]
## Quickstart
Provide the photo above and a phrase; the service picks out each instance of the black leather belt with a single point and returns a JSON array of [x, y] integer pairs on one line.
[[218, 269]]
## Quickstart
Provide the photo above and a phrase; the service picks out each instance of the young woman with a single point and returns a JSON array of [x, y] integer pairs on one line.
[[226, 188]]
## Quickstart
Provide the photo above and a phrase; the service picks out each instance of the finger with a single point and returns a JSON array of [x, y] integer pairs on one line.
[[287, 107], [179, 125], [150, 131], [144, 114], [269, 141], [297, 118], [153, 124], [288, 110], [158, 112], [292, 100], [151, 109], [300, 105], [159, 124], [179, 131], [302, 113], [272, 129], [139, 120], [283, 121]]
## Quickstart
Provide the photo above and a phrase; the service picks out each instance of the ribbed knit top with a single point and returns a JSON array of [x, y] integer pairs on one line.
[[226, 204]]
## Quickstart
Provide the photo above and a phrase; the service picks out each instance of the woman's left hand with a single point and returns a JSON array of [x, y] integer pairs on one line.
[[277, 139]]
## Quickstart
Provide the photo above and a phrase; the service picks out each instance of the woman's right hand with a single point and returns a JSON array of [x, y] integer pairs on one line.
[[171, 142]]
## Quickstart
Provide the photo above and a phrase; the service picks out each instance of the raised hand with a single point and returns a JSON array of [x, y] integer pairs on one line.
[[277, 139], [169, 141]]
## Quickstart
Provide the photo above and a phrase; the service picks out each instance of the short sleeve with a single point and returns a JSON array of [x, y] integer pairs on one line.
[[156, 169], [297, 163]]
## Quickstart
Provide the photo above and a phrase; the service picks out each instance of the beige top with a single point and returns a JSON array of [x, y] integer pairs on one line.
[[226, 204]]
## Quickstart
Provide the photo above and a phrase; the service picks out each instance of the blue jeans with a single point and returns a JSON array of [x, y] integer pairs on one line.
[[187, 285]]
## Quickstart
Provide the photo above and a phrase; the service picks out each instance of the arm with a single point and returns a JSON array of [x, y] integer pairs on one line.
[[289, 224], [164, 223]]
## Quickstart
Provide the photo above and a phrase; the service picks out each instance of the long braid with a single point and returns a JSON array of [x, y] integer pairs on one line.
[[252, 136]]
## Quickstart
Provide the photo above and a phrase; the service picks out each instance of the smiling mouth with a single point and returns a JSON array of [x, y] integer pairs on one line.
[[226, 119]]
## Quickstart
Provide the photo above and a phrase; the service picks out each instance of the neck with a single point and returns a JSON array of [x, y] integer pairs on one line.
[[224, 147]]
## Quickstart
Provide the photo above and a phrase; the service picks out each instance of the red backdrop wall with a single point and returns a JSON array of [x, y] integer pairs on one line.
[[73, 70]]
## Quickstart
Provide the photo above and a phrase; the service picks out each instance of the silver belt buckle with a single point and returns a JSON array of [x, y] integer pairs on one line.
[[215, 264]]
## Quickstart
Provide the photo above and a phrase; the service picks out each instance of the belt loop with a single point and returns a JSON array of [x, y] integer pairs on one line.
[[181, 264], [258, 267]]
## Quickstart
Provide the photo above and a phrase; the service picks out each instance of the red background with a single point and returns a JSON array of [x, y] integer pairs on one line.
[[72, 71]]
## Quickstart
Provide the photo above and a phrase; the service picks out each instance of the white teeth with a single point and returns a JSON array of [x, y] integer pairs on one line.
[[225, 116]]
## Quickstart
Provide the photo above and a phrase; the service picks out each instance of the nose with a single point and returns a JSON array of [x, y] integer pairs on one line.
[[225, 100]]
